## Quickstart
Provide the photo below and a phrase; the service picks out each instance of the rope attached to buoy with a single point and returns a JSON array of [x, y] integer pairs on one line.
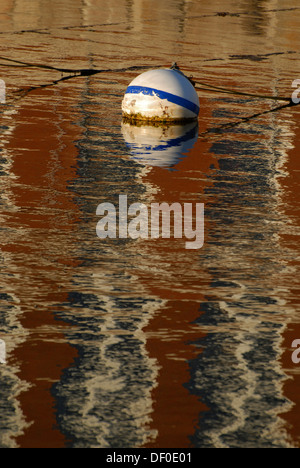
[[212, 88], [199, 85], [78, 72]]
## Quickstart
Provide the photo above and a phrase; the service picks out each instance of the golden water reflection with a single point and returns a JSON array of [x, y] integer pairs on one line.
[[141, 343]]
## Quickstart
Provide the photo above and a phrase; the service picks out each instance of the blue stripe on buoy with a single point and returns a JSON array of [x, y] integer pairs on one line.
[[164, 95]]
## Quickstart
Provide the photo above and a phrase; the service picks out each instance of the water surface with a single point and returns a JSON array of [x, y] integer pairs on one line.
[[143, 343]]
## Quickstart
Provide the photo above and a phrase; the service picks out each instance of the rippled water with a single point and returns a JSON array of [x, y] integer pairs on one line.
[[143, 343]]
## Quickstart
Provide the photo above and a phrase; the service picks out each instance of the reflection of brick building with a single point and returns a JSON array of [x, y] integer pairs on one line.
[[39, 217]]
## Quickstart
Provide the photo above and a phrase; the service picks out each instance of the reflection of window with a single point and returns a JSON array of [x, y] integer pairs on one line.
[[2, 92], [2, 352]]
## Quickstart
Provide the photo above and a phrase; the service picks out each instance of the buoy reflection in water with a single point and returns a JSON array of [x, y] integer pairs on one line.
[[161, 146]]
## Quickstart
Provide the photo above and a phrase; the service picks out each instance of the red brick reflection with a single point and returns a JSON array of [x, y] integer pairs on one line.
[[42, 186]]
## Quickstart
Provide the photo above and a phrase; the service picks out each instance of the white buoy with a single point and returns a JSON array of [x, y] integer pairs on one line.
[[164, 94]]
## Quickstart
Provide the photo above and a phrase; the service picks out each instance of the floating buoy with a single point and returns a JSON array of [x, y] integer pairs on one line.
[[161, 95], [160, 146]]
